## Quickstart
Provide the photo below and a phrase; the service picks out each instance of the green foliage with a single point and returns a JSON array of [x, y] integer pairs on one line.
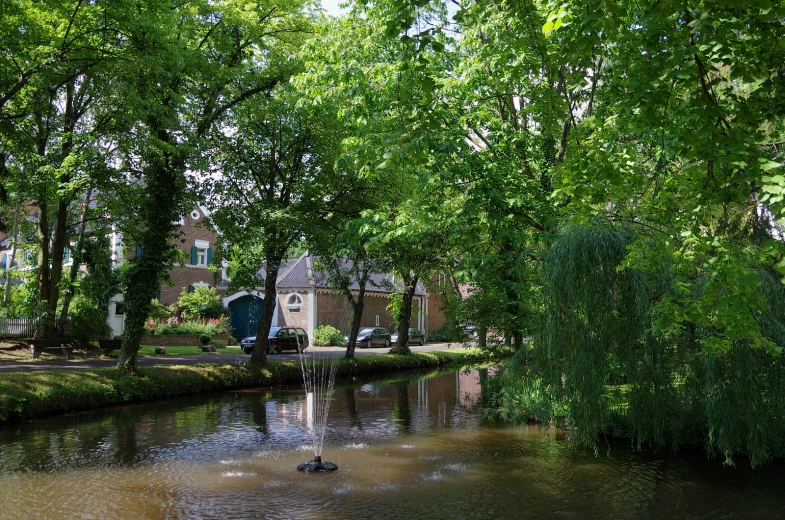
[[394, 305], [327, 336], [88, 321], [205, 339], [203, 302], [159, 311], [23, 301], [603, 365]]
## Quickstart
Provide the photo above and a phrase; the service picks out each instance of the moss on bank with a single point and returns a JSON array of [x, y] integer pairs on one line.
[[27, 394]]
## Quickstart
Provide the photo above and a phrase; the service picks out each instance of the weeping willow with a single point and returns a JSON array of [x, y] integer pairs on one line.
[[600, 365]]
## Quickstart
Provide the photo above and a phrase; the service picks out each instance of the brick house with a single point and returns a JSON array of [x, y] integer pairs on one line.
[[304, 297], [306, 300], [197, 241]]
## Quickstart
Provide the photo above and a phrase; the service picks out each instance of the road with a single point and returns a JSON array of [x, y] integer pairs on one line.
[[220, 359]]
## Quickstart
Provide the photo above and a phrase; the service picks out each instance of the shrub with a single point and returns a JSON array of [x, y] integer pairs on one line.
[[205, 339], [88, 322], [203, 302], [326, 335], [159, 311]]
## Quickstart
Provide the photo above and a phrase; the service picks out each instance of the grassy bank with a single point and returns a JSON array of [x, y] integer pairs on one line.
[[30, 394]]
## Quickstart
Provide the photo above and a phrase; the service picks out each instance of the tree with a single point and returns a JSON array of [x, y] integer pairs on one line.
[[59, 61], [192, 68], [277, 179]]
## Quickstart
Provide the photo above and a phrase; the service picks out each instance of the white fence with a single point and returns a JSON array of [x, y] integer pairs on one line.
[[22, 327]]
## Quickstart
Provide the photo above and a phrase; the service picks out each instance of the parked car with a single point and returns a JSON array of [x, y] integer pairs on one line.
[[470, 330], [279, 339], [371, 337], [415, 337]]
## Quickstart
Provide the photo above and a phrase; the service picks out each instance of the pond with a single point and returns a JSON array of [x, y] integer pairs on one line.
[[406, 447]]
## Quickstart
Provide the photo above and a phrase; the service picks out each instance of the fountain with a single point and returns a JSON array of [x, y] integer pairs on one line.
[[318, 380]]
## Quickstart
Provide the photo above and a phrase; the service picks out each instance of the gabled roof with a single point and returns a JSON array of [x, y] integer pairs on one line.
[[299, 273]]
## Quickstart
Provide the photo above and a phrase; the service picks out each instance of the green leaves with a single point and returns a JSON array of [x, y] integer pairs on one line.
[[557, 19]]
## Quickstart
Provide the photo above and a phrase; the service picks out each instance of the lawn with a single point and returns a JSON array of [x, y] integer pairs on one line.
[[149, 350], [12, 352]]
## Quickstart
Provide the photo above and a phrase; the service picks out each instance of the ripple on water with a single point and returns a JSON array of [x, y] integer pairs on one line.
[[430, 458], [234, 474], [343, 490], [357, 446], [454, 467], [433, 477]]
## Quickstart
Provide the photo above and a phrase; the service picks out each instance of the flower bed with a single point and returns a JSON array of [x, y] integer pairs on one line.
[[211, 326]]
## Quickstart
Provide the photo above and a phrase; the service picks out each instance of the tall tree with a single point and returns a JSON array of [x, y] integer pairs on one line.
[[277, 179], [194, 65]]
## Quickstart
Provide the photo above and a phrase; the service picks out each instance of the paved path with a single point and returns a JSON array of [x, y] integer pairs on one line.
[[219, 359]]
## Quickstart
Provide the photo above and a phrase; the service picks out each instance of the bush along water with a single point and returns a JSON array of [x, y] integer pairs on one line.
[[633, 352]]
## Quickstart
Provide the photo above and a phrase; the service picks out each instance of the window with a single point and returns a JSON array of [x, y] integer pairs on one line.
[[119, 309], [201, 253], [66, 255], [377, 320]]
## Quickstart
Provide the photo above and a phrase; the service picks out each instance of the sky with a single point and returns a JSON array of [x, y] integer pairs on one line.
[[331, 6]]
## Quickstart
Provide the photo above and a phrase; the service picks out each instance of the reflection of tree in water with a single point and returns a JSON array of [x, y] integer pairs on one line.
[[351, 405], [484, 391], [259, 414], [402, 411]]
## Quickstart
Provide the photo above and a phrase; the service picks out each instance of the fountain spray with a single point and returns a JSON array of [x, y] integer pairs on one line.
[[318, 380]]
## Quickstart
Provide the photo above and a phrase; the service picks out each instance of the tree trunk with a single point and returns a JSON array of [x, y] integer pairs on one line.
[[10, 261], [78, 254], [259, 353], [56, 273], [42, 263], [482, 336], [165, 189], [357, 310], [405, 317]]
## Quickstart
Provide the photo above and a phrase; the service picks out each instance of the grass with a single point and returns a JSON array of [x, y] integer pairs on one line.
[[10, 354], [29, 394], [149, 350]]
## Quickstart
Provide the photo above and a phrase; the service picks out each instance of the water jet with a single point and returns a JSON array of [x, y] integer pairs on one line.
[[318, 381]]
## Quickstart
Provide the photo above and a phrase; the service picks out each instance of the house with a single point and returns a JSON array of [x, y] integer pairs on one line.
[[305, 299], [197, 241]]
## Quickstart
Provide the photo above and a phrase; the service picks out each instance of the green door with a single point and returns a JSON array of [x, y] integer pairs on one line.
[[246, 313]]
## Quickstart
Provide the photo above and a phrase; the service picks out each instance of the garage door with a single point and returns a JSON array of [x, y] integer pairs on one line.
[[246, 313]]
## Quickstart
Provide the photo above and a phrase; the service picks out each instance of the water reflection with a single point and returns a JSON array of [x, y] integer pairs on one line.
[[409, 447]]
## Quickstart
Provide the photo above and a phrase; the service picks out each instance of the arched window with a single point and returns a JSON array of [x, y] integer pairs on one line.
[[294, 299]]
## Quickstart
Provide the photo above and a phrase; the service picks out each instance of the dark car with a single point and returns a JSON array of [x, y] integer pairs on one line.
[[372, 337], [470, 329], [279, 339], [415, 337]]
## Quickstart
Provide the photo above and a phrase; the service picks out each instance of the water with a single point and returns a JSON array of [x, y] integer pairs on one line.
[[406, 449]]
